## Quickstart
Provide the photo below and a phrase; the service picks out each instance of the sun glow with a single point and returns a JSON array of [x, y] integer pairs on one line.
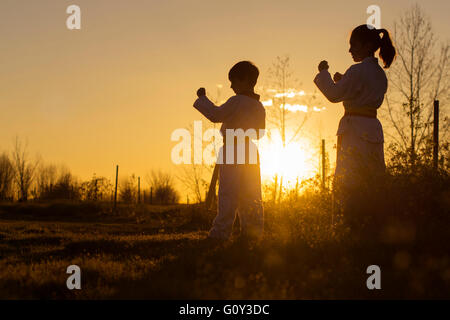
[[297, 159]]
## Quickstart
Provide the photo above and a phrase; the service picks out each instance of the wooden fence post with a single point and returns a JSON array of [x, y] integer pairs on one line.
[[139, 189], [436, 135], [115, 190]]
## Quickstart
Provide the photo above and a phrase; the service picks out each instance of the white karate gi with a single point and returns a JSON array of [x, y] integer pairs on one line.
[[360, 154], [239, 184]]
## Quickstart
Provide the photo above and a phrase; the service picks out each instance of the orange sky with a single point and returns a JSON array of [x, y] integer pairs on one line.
[[113, 92]]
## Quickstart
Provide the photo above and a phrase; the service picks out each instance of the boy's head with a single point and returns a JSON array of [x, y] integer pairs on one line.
[[243, 76]]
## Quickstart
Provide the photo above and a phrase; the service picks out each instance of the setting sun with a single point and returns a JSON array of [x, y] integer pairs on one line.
[[296, 160]]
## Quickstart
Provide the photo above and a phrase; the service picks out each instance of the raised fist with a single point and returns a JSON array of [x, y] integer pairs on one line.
[[323, 65], [337, 77], [201, 92]]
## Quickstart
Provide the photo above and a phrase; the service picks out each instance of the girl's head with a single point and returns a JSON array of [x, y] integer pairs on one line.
[[366, 40]]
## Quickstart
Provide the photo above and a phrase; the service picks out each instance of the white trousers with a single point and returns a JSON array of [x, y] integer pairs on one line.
[[239, 193], [360, 155], [360, 165]]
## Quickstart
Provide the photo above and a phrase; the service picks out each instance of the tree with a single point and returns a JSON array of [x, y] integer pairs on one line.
[[418, 77], [24, 169], [163, 187], [96, 189], [288, 118], [128, 189], [56, 183], [46, 177], [195, 177], [6, 177]]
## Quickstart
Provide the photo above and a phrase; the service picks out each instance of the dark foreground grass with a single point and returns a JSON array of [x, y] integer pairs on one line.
[[151, 252]]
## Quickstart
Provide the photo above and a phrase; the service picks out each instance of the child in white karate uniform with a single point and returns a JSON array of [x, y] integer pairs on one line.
[[360, 155], [239, 174]]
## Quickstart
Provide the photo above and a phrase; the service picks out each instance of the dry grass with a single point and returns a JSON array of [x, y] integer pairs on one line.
[[151, 252]]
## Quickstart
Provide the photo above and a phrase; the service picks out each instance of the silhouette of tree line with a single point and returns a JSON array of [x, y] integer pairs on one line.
[[23, 178]]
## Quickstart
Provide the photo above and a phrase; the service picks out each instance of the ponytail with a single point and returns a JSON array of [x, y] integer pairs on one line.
[[368, 34], [387, 50]]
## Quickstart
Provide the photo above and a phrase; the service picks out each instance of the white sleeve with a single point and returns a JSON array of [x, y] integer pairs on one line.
[[345, 89], [216, 113]]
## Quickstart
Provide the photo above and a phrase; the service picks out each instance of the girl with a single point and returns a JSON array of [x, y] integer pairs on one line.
[[360, 155]]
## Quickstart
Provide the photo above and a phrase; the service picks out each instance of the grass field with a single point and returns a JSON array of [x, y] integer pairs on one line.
[[152, 252]]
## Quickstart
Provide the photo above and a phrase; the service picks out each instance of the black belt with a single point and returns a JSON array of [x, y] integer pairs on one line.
[[351, 113]]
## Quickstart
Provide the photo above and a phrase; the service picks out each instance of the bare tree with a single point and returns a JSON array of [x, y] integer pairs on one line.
[[24, 169], [286, 117], [55, 182], [6, 177], [195, 177], [128, 189], [46, 177], [66, 186], [96, 189], [163, 187], [419, 76], [284, 88]]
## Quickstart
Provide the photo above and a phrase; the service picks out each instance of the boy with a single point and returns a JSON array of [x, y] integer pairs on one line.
[[239, 179]]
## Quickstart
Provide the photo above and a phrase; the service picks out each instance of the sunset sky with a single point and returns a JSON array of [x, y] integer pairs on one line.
[[114, 91]]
